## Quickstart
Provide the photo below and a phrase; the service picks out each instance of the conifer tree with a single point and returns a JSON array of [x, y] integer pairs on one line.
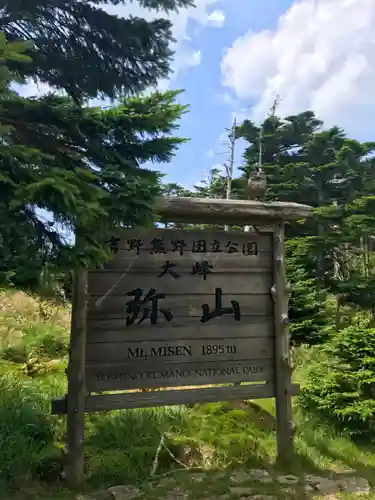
[[87, 171], [82, 165], [88, 51]]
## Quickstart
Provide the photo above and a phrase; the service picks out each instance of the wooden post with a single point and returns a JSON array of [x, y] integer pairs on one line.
[[283, 368], [76, 398]]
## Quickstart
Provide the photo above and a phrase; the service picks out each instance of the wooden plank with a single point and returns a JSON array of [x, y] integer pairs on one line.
[[207, 211], [180, 397], [283, 380], [117, 331], [181, 306], [179, 351], [110, 378], [76, 381], [121, 284], [131, 400]]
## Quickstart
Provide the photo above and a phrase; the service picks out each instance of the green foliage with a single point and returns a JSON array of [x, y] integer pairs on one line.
[[308, 313], [306, 164], [340, 385], [174, 189], [282, 143], [11, 51], [90, 52], [88, 175], [100, 151], [212, 187], [358, 291]]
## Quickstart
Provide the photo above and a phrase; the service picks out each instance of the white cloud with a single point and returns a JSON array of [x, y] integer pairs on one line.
[[185, 55], [184, 59], [225, 98], [188, 58], [321, 56], [216, 18]]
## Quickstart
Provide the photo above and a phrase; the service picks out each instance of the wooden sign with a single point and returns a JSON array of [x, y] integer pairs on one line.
[[177, 308], [189, 313]]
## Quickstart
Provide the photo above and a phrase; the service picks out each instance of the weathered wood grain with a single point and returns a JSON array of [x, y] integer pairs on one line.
[[106, 378], [117, 331], [181, 306], [121, 284], [180, 397], [206, 211], [179, 351]]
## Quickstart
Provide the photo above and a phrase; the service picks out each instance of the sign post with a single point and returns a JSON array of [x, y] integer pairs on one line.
[[282, 360], [76, 397], [186, 312]]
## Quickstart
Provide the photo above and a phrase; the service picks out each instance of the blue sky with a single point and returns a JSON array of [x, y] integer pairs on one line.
[[314, 54], [210, 112], [233, 57]]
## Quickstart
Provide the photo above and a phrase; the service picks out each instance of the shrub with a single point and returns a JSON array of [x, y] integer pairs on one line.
[[341, 385]]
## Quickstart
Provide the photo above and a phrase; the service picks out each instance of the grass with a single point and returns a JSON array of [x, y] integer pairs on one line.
[[121, 446]]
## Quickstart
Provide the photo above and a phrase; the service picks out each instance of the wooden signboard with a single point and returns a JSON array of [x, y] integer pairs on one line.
[[177, 308], [189, 313]]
